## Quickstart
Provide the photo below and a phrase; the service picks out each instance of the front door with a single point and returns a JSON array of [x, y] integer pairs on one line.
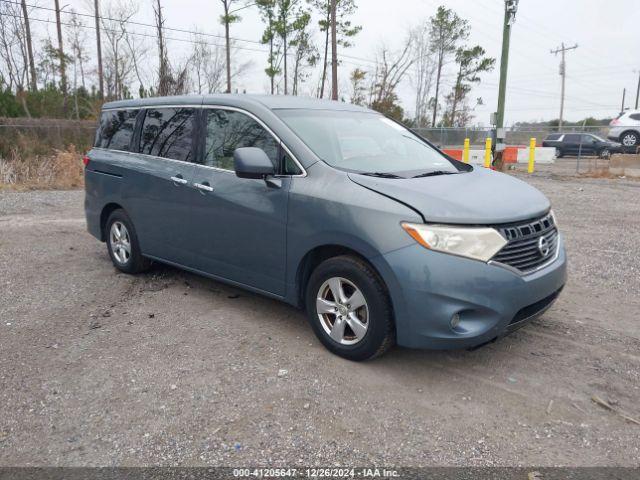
[[162, 191], [240, 224]]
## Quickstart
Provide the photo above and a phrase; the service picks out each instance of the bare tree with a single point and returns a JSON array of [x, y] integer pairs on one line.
[[27, 30], [77, 38], [423, 72], [169, 82], [14, 67], [391, 68], [207, 66], [118, 67], [63, 67]]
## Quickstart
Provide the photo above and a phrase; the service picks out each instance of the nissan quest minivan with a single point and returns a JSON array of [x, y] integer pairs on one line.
[[331, 207]]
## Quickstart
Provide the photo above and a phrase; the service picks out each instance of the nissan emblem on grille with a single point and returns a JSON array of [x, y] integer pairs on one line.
[[543, 246], [531, 244]]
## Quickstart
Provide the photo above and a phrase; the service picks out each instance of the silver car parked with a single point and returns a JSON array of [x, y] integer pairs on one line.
[[626, 129]]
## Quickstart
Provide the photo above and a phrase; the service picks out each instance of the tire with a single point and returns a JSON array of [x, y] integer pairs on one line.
[[559, 153], [605, 154], [375, 315], [122, 244], [630, 138]]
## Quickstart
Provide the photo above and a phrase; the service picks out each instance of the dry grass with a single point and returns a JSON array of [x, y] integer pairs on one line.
[[62, 169]]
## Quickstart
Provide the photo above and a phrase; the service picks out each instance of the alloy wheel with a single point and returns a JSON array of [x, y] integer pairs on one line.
[[630, 139], [342, 311], [120, 242]]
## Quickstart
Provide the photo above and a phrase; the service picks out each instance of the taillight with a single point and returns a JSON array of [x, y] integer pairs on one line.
[[614, 122], [85, 160]]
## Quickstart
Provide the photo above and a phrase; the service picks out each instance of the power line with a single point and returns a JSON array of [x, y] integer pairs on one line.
[[140, 34], [173, 29], [140, 24]]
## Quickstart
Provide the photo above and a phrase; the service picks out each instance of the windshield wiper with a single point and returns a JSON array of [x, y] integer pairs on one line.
[[381, 174], [434, 173]]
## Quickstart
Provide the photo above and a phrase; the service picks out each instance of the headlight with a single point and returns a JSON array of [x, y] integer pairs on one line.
[[479, 243], [554, 218]]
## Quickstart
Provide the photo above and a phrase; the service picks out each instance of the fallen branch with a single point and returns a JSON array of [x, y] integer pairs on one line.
[[607, 406]]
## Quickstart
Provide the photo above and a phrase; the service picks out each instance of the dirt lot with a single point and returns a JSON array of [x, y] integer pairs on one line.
[[101, 368]]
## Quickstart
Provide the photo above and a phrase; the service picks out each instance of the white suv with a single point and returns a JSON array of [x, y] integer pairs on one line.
[[626, 128]]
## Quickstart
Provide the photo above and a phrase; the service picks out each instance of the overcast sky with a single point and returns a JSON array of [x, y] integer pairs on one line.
[[607, 32]]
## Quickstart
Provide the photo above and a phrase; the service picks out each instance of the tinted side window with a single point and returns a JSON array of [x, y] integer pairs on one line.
[[227, 130], [635, 116], [116, 129], [554, 136], [168, 133], [572, 138]]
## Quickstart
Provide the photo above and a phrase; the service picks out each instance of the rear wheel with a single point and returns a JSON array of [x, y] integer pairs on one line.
[[122, 244], [559, 153], [349, 308], [630, 139]]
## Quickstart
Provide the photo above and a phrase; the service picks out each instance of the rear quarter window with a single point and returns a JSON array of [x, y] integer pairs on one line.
[[554, 137], [115, 130], [635, 116]]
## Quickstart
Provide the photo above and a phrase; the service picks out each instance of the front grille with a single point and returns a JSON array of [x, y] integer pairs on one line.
[[530, 244]]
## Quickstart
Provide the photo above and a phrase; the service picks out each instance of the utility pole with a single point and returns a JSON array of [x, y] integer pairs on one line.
[[563, 74], [227, 21], [99, 47], [624, 98], [334, 52], [63, 67], [638, 92], [510, 10]]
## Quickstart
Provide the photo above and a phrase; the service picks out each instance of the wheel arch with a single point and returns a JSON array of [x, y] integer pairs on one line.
[[104, 215], [319, 254]]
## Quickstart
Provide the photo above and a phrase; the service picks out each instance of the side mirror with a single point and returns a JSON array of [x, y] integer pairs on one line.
[[251, 162]]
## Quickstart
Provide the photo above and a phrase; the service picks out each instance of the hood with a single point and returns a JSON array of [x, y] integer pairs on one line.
[[478, 197]]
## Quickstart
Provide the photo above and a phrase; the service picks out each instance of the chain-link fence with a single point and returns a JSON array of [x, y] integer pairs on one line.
[[41, 136], [454, 137]]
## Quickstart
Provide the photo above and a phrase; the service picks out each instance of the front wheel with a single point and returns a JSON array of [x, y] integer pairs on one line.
[[122, 244], [349, 308]]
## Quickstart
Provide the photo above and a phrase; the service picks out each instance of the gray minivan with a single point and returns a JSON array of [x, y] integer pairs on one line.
[[331, 207]]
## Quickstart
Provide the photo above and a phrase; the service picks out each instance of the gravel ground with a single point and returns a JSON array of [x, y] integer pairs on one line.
[[166, 368]]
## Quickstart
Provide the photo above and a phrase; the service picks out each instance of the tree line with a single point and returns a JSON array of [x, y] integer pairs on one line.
[[105, 54]]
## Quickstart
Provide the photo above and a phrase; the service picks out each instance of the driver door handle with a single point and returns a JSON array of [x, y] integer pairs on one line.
[[203, 187]]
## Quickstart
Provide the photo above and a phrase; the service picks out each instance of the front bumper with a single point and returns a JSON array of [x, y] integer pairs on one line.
[[427, 288]]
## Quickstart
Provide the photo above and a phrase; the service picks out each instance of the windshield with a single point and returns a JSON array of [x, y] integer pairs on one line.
[[364, 142]]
